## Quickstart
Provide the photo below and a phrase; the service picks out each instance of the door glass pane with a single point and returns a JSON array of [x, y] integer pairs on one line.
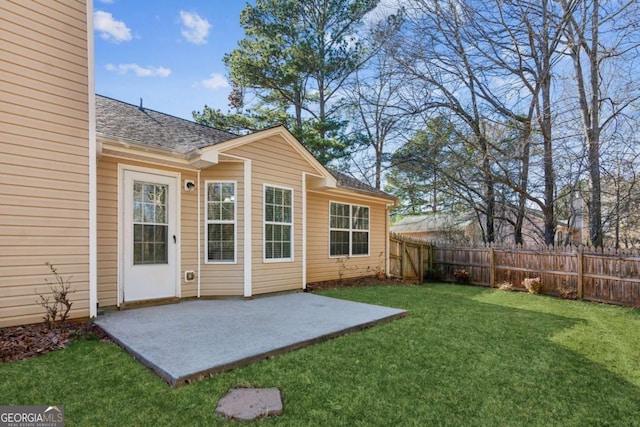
[[149, 193], [150, 223], [137, 211], [160, 215], [148, 213]]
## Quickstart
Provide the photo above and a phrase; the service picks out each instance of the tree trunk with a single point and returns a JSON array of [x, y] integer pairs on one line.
[[490, 196], [593, 133], [549, 172], [524, 183]]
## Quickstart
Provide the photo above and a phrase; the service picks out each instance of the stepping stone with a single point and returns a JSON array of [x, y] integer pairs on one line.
[[247, 404]]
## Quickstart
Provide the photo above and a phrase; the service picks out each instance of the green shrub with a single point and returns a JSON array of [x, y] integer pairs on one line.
[[434, 274], [461, 276]]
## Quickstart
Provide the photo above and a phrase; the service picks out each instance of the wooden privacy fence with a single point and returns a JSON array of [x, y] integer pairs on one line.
[[409, 258], [603, 275]]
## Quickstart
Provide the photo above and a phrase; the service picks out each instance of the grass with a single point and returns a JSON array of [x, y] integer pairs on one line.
[[464, 356]]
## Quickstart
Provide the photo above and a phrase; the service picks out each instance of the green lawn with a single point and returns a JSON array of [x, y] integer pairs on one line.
[[464, 356]]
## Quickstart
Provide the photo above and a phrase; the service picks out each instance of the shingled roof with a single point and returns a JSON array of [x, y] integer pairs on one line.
[[351, 183], [134, 124], [131, 123]]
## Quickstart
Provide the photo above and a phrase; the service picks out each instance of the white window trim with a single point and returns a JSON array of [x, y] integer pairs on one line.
[[264, 224], [350, 230], [207, 221]]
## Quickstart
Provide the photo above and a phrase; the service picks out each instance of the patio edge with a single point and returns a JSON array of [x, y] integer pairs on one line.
[[186, 379]]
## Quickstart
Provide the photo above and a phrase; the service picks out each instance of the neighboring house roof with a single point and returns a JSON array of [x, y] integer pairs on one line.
[[433, 222], [133, 124], [120, 120]]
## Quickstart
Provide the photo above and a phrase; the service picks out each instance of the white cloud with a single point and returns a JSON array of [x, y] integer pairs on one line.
[[215, 81], [106, 1], [194, 28], [109, 28], [139, 71]]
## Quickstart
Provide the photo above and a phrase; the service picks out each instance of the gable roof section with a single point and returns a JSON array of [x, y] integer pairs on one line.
[[127, 122], [212, 152], [199, 145]]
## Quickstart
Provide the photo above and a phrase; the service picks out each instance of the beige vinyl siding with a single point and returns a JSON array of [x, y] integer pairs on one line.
[[275, 162], [107, 177], [107, 231], [223, 279], [188, 234], [44, 157], [322, 267]]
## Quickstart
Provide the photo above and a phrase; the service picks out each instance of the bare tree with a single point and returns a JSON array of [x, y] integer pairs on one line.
[[378, 115], [519, 41], [489, 66], [434, 51], [600, 37]]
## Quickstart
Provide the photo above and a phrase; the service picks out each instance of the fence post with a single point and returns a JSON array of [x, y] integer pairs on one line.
[[421, 264], [430, 250], [492, 268], [580, 264], [403, 250]]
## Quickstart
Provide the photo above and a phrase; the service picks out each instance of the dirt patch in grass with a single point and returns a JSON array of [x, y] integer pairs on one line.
[[21, 342], [357, 282]]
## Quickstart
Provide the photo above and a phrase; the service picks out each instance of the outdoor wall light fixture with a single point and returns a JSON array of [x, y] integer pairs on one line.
[[189, 185]]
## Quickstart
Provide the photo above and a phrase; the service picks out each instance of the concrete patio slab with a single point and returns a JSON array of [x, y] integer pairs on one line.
[[192, 339]]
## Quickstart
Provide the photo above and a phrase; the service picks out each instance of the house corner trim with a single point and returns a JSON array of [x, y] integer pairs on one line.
[[248, 227]]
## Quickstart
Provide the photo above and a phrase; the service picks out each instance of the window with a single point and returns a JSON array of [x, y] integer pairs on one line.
[[221, 221], [150, 223], [348, 230], [278, 223]]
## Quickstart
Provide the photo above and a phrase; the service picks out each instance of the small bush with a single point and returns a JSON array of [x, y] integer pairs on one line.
[[461, 276], [56, 305], [533, 285], [505, 286], [434, 274], [567, 293]]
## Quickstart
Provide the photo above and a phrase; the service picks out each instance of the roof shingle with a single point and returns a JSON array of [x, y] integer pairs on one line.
[[351, 183], [120, 120]]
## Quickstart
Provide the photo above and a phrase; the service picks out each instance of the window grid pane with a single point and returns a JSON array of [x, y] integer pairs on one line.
[[278, 208], [360, 243], [339, 243], [220, 221]]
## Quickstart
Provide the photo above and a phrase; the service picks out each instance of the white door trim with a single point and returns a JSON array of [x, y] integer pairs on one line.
[[120, 230]]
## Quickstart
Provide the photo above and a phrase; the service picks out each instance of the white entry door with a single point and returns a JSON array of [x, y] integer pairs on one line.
[[149, 236]]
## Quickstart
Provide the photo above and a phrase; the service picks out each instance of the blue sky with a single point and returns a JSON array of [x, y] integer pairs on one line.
[[167, 52]]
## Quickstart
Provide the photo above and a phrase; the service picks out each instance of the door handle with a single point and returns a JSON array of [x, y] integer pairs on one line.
[[174, 239]]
